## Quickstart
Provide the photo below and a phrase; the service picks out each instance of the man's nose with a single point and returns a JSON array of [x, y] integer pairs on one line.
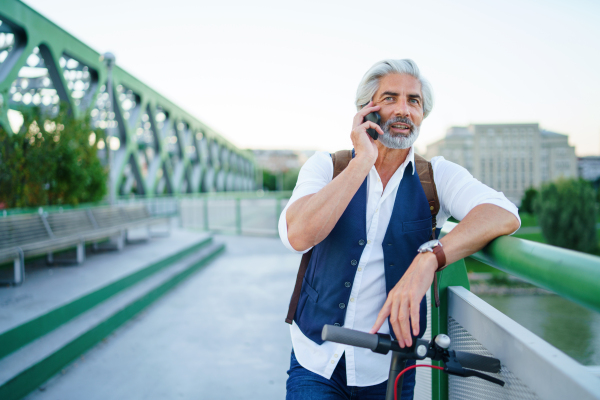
[[402, 109]]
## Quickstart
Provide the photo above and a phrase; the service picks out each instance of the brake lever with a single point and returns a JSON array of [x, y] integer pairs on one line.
[[452, 367], [465, 372]]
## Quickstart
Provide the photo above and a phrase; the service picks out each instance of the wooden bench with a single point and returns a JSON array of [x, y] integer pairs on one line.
[[29, 235]]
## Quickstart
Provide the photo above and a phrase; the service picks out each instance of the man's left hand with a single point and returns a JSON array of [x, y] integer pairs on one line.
[[403, 302]]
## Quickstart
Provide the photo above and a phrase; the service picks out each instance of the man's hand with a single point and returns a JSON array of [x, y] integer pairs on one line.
[[481, 225], [364, 145], [404, 300]]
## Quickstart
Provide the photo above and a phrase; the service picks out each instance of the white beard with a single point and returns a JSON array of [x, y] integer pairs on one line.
[[398, 141]]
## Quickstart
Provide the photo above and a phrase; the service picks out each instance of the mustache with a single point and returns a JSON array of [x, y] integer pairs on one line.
[[399, 120]]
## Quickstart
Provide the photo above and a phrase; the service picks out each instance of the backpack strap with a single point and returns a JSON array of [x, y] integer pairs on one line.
[[340, 159], [425, 171]]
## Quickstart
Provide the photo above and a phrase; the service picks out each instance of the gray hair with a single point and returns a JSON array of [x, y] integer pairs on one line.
[[370, 82]]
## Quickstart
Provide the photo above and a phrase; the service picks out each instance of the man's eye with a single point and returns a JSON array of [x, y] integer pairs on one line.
[[414, 101], [389, 99]]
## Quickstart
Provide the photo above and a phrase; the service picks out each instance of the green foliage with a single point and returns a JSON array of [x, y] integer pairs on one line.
[[528, 200], [566, 211], [50, 162], [290, 178], [271, 179], [527, 219]]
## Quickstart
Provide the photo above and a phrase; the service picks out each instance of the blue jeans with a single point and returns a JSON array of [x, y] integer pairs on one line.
[[305, 385]]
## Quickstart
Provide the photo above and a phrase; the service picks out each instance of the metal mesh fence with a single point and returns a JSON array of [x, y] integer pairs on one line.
[[232, 214], [473, 388]]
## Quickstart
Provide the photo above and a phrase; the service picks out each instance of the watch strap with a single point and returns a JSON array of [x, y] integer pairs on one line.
[[441, 257]]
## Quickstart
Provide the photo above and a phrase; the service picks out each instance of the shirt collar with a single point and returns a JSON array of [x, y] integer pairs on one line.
[[410, 158]]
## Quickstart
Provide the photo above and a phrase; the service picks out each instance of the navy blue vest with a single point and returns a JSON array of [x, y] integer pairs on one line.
[[332, 267]]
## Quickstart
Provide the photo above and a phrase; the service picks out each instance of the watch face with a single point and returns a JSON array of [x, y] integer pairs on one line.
[[428, 246]]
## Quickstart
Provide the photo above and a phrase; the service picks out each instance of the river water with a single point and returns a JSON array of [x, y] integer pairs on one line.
[[567, 326]]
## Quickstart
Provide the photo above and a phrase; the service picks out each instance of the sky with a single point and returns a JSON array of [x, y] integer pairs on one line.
[[283, 75]]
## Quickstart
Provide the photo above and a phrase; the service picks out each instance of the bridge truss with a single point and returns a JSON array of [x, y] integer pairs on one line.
[[158, 148]]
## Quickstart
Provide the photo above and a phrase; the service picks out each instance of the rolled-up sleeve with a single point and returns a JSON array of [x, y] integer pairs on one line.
[[459, 192], [314, 175]]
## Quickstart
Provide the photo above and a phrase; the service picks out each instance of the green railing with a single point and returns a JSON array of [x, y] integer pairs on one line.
[[157, 146], [570, 274]]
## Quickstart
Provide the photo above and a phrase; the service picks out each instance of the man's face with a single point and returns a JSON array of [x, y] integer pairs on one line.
[[401, 101]]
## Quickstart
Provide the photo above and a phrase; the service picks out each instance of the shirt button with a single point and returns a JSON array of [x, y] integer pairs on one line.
[[354, 262], [335, 355], [361, 242], [377, 209], [342, 306], [333, 362], [368, 242], [337, 324], [347, 284], [359, 269], [352, 299]]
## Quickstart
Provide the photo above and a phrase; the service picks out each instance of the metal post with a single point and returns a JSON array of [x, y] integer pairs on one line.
[[238, 215], [277, 212], [454, 275], [206, 227], [109, 60]]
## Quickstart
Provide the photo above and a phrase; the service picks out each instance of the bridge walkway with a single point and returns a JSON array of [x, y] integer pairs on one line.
[[219, 334]]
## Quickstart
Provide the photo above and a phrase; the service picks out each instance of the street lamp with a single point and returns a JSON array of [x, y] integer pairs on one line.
[[109, 61]]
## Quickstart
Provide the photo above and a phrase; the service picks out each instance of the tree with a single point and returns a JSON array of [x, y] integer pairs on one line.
[[51, 161], [566, 211], [528, 200]]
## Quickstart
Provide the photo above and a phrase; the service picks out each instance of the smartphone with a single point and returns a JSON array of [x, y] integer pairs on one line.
[[376, 118]]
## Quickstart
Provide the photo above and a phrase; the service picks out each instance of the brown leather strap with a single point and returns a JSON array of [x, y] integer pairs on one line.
[[441, 257], [298, 286], [425, 171], [340, 159]]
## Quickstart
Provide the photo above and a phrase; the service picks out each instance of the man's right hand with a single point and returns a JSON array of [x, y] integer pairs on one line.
[[312, 217], [364, 145]]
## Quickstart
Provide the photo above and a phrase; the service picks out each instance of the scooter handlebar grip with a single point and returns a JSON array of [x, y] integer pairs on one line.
[[478, 362], [350, 337]]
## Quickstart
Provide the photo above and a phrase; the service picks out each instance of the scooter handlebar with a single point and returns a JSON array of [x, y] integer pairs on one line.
[[350, 337]]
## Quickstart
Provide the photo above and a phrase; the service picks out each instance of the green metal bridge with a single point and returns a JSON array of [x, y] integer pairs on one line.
[[170, 157], [158, 148]]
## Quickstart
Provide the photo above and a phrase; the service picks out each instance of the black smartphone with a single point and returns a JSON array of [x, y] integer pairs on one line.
[[376, 118]]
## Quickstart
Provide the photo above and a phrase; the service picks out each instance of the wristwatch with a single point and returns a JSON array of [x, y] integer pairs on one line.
[[435, 246]]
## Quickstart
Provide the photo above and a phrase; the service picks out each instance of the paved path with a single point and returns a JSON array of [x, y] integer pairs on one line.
[[219, 335], [46, 288]]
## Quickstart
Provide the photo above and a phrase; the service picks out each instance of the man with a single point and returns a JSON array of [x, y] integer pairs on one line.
[[366, 226]]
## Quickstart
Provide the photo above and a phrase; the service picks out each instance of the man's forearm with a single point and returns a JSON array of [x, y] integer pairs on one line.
[[311, 218], [481, 225]]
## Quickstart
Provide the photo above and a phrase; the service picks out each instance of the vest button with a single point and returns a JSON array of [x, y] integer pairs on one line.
[[347, 284], [361, 242], [342, 306], [391, 265], [353, 263], [337, 324]]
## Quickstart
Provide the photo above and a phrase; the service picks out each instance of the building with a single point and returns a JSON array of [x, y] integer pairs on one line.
[[589, 168], [281, 160], [508, 157]]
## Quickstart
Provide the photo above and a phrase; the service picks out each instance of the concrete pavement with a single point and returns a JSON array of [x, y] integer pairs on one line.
[[219, 335]]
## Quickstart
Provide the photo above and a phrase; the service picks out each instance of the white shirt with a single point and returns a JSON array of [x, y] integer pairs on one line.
[[458, 193]]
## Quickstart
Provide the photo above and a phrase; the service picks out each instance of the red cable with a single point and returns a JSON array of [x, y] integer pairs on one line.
[[409, 368]]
